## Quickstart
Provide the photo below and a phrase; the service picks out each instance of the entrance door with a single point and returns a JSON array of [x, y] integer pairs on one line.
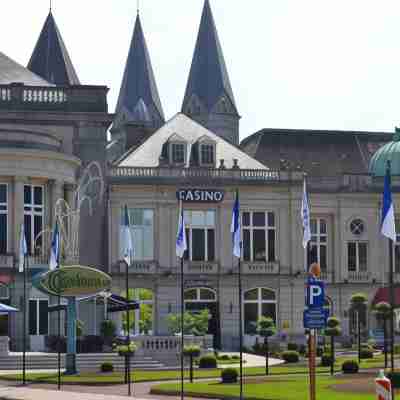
[[198, 299], [38, 323]]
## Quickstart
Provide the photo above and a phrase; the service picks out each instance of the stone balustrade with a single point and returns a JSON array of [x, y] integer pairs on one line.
[[361, 276]]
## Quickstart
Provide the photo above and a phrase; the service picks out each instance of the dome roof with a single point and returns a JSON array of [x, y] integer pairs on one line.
[[389, 152]]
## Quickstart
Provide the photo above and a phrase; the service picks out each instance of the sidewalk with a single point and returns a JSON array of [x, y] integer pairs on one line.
[[24, 393]]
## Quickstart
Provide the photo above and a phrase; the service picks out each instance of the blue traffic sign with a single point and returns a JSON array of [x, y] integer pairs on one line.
[[315, 318], [315, 293]]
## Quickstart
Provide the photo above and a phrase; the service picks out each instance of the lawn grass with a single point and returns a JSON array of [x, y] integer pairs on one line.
[[292, 388]]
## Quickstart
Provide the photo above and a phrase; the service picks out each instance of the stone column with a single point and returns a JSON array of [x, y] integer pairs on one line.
[[57, 192]]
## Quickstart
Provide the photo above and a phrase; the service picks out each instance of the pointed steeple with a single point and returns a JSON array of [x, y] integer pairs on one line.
[[138, 99], [50, 59], [209, 90]]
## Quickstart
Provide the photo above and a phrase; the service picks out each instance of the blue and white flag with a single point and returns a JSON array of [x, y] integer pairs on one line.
[[181, 243], [388, 226], [235, 228], [127, 240], [55, 249], [23, 249], [305, 216]]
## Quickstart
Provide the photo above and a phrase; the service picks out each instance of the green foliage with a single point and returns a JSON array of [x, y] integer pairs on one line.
[[333, 322], [108, 329], [229, 375], [208, 361], [320, 351], [394, 378], [336, 331], [193, 323], [396, 349], [266, 327], [107, 367], [124, 349], [302, 349], [350, 367], [79, 328], [191, 351], [358, 300], [366, 353], [382, 309], [290, 356], [326, 360], [292, 346], [145, 310]]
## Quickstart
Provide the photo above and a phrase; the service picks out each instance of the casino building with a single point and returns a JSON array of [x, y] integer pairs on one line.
[[52, 126]]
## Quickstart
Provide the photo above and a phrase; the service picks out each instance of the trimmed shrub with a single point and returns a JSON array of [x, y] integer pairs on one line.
[[235, 357], [229, 375], [192, 351], [224, 357], [396, 349], [290, 356], [366, 353], [292, 347], [394, 378], [326, 360], [106, 367], [350, 367], [208, 361]]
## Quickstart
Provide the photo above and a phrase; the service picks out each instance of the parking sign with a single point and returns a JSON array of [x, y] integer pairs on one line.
[[315, 294]]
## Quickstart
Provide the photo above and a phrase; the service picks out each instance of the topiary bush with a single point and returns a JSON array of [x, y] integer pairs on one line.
[[292, 347], [350, 367], [229, 375], [290, 356], [366, 353], [394, 378], [107, 367], [224, 357], [396, 349], [326, 360], [208, 361]]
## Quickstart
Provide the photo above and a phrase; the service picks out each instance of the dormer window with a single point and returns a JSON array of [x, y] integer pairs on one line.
[[178, 153], [207, 154]]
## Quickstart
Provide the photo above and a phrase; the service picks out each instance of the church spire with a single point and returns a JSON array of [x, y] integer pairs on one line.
[[50, 59], [138, 99], [208, 90]]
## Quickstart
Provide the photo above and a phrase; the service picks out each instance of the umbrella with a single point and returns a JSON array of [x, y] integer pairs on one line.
[[4, 309]]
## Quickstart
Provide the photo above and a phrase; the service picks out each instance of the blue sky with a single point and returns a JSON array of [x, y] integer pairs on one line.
[[318, 64]]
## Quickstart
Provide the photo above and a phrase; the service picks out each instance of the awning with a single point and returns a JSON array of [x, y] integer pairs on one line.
[[4, 309], [382, 294]]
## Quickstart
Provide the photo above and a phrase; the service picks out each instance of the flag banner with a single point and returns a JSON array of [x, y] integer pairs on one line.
[[181, 243], [388, 226], [55, 249], [235, 228], [126, 237], [23, 249], [305, 217]]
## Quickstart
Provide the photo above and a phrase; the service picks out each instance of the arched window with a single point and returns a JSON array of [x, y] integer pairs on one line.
[[200, 295], [258, 302]]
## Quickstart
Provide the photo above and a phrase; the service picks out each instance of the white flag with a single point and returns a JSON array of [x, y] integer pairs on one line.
[[388, 225], [305, 216], [126, 237], [23, 249], [235, 228], [181, 243]]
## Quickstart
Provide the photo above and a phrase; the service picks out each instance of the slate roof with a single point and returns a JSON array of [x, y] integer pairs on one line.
[[11, 71], [208, 78], [148, 153], [317, 152], [138, 96], [50, 58]]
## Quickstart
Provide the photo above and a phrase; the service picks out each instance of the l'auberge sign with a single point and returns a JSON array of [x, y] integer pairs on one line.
[[73, 281]]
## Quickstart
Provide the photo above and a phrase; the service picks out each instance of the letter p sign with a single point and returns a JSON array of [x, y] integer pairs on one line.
[[315, 297]]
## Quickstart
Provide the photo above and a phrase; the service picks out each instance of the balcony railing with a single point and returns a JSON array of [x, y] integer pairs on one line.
[[257, 267], [17, 96], [361, 277]]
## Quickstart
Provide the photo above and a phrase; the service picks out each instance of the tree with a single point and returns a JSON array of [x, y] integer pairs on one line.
[[191, 352], [333, 330], [383, 313], [358, 302], [193, 323], [266, 328], [145, 310]]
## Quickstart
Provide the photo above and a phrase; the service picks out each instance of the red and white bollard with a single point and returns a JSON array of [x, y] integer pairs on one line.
[[383, 387]]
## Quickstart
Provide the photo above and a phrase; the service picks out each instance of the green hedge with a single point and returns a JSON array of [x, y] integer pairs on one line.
[[350, 367], [208, 361], [290, 356], [229, 375]]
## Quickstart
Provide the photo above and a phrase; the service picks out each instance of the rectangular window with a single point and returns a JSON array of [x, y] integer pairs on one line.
[[38, 317], [141, 222], [259, 236], [318, 245], [357, 257], [200, 234], [207, 154], [33, 217], [178, 153], [3, 218]]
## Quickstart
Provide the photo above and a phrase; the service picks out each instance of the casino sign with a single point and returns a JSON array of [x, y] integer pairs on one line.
[[200, 195], [73, 281]]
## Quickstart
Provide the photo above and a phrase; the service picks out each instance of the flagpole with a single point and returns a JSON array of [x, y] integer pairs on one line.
[[24, 324], [182, 328], [240, 326], [59, 343], [127, 358]]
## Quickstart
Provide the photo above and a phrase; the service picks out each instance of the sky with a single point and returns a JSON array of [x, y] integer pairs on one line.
[[310, 64]]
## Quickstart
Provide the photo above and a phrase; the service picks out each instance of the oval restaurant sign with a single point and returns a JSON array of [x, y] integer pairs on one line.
[[73, 281], [200, 195]]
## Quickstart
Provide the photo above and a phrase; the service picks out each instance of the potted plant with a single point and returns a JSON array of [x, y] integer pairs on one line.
[[383, 311], [333, 330], [359, 302], [266, 328], [191, 352], [126, 350]]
